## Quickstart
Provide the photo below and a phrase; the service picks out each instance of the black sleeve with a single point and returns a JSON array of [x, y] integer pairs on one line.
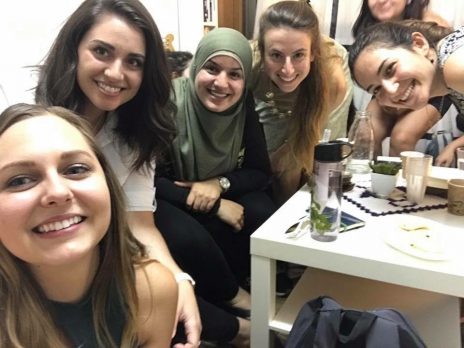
[[167, 190], [254, 173], [442, 104]]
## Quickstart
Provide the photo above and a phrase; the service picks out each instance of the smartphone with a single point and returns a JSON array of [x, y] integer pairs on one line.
[[350, 222]]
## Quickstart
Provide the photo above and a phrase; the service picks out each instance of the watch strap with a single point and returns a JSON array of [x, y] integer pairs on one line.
[[181, 276]]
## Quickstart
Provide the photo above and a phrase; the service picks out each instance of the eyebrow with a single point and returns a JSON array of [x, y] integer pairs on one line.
[[112, 48], [378, 73], [30, 164], [219, 65]]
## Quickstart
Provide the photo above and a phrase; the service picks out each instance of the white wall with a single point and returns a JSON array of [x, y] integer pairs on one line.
[[28, 28]]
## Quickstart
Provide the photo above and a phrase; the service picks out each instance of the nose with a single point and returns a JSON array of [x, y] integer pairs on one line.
[[390, 86], [114, 71], [221, 80], [56, 191], [287, 67]]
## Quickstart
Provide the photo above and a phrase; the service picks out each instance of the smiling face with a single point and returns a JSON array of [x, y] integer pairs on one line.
[[287, 62], [220, 83], [387, 10], [398, 77], [55, 201], [111, 57]]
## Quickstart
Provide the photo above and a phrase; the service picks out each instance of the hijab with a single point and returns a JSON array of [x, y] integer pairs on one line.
[[208, 143]]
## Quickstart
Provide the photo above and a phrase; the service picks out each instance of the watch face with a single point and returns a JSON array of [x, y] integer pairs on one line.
[[225, 183]]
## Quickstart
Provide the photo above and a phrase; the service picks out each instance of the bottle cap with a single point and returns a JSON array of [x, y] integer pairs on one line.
[[329, 152]]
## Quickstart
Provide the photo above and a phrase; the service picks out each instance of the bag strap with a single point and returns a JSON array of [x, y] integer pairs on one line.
[[304, 328], [364, 321]]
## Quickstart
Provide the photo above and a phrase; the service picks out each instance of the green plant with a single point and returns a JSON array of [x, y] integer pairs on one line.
[[319, 221], [386, 168]]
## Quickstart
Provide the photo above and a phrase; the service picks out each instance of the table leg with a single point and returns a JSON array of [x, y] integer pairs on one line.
[[263, 275]]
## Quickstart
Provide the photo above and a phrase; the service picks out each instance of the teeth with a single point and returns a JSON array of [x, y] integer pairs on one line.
[[287, 79], [407, 93], [108, 88], [217, 94], [59, 225]]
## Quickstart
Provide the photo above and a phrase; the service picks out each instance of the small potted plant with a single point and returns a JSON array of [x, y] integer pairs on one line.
[[383, 177]]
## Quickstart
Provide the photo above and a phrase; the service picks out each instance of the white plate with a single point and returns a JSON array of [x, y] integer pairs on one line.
[[427, 244], [439, 176]]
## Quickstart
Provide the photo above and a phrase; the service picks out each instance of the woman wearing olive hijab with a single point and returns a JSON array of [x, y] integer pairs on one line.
[[218, 168]]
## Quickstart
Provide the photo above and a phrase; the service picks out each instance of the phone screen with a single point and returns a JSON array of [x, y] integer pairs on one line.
[[349, 222]]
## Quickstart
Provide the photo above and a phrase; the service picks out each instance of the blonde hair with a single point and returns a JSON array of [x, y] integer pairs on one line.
[[25, 317]]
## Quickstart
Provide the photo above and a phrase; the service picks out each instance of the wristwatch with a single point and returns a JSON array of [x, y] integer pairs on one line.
[[224, 183]]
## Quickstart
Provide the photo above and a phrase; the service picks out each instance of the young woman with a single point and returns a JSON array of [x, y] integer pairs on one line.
[[405, 127], [84, 279], [218, 166], [405, 64], [108, 64], [376, 11], [295, 96]]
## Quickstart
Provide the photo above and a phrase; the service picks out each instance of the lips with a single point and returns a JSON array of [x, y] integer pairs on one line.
[[58, 225], [407, 92], [108, 89], [287, 79], [217, 94]]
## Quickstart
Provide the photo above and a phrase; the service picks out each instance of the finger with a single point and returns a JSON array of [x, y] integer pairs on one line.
[[210, 205], [178, 310], [183, 183], [192, 335], [190, 201], [204, 205]]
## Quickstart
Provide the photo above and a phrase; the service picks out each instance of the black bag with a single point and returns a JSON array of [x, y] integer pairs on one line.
[[323, 323]]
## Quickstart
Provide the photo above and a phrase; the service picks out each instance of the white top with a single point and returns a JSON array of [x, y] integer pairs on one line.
[[138, 185]]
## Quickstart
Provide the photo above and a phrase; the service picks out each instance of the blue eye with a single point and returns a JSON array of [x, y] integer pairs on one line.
[[19, 182], [77, 170]]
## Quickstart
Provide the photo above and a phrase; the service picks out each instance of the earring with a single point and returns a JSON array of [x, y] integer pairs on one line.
[[409, 2]]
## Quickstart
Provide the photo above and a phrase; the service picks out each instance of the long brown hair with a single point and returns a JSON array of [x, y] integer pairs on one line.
[[25, 319], [144, 123], [310, 111]]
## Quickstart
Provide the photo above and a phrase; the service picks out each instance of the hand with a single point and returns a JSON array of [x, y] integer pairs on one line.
[[202, 195], [231, 213], [446, 157], [187, 313]]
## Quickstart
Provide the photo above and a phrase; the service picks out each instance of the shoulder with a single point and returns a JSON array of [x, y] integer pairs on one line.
[[431, 16], [452, 58], [157, 300], [340, 77]]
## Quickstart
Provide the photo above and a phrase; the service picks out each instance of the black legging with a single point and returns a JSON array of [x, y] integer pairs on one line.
[[258, 207], [196, 252]]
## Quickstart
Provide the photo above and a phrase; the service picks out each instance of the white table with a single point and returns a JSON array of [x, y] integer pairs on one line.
[[360, 271]]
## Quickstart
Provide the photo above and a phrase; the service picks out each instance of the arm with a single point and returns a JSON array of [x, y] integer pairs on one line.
[[157, 300], [140, 193], [340, 92], [453, 70], [143, 226], [382, 124], [431, 16], [446, 157], [411, 127]]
